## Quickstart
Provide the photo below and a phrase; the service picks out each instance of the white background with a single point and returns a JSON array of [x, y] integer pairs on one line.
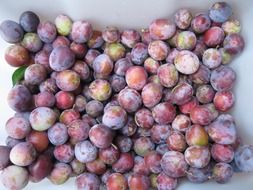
[[138, 14]]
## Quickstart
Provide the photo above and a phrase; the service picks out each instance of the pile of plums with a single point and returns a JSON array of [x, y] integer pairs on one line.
[[127, 109]]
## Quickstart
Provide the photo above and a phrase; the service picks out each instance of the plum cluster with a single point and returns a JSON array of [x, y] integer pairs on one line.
[[123, 109]]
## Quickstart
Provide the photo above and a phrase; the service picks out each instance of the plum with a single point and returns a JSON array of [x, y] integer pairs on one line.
[[15, 177]]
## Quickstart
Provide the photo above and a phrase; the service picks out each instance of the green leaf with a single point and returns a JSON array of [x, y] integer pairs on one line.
[[18, 75]]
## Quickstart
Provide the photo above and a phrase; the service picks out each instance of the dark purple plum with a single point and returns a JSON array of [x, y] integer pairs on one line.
[[11, 31], [29, 21], [19, 98], [41, 168]]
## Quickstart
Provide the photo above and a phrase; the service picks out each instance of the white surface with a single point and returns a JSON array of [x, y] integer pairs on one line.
[[138, 14]]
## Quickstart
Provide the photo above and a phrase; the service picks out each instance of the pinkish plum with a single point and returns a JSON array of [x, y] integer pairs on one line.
[[140, 182], [159, 133], [64, 100], [223, 101], [87, 181], [78, 130], [173, 164], [111, 34], [115, 117], [233, 43], [23, 154], [222, 172], [183, 18], [187, 107], [69, 115], [58, 134], [164, 113], [136, 77], [165, 182], [205, 94], [129, 99], [100, 90], [60, 174], [85, 151], [77, 167], [82, 69], [144, 118], [124, 163], [103, 65], [151, 94], [182, 93], [181, 123], [16, 56], [143, 145], [115, 51], [96, 167], [47, 31], [196, 135], [116, 181], [222, 153], [42, 118], [67, 80], [214, 36], [202, 75], [49, 85], [91, 56], [81, 31], [96, 40], [201, 115], [140, 166], [15, 177], [78, 49], [151, 65], [45, 99], [130, 37], [152, 161], [186, 62], [200, 23], [109, 155], [101, 136], [176, 141], [158, 50], [186, 40], [61, 41], [17, 127], [197, 156], [64, 153], [162, 29]]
